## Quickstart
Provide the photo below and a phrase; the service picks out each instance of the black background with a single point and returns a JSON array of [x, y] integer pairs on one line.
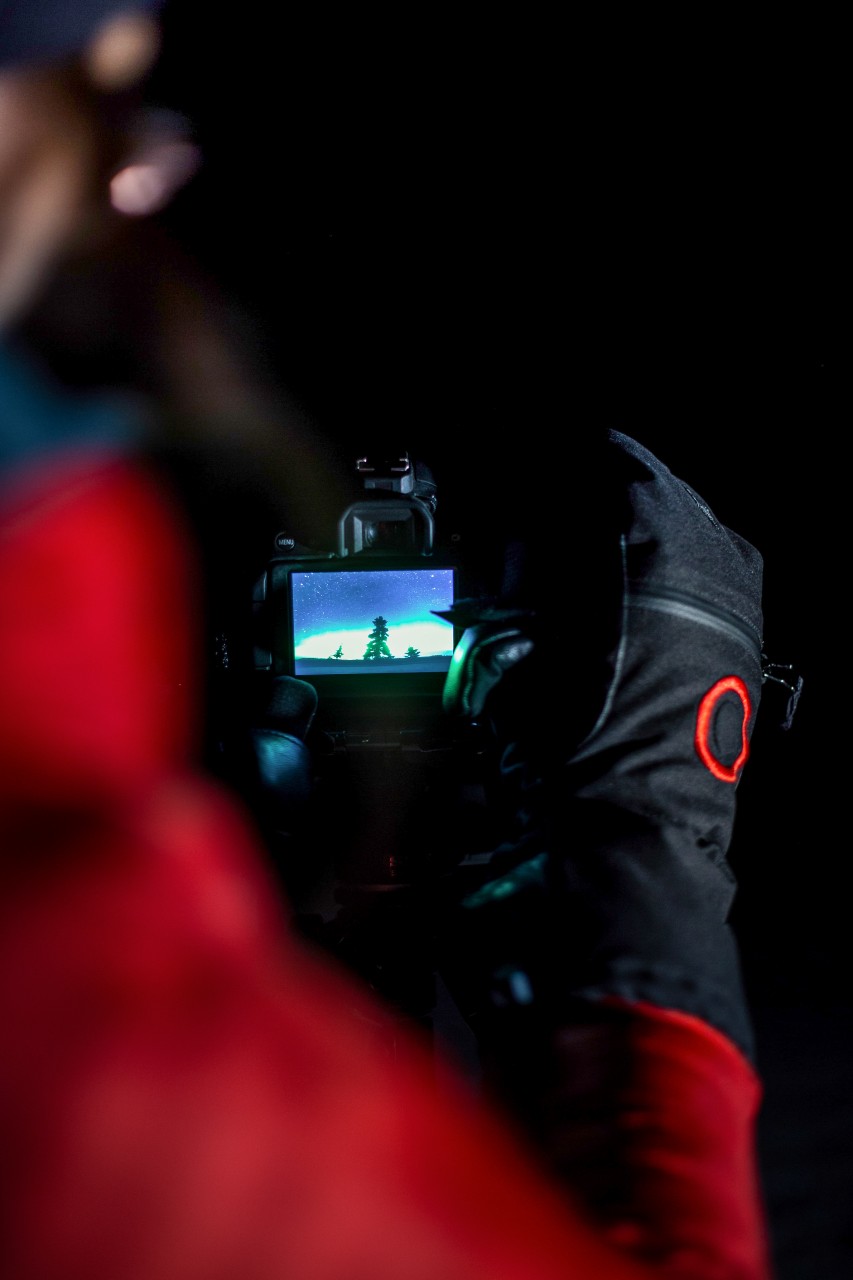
[[499, 234]]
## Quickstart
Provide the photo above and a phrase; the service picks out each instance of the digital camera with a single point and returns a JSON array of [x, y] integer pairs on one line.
[[366, 625]]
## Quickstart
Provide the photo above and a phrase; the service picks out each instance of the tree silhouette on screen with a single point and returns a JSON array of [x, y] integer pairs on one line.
[[377, 641]]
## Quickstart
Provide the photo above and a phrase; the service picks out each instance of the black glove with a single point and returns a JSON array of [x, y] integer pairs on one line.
[[624, 718]]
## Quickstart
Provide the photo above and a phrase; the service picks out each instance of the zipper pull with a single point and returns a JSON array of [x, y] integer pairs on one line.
[[793, 684]]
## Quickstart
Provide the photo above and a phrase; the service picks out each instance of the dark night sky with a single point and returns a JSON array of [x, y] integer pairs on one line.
[[423, 213]]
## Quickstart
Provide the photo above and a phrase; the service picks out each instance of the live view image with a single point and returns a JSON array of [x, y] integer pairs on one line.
[[371, 621]]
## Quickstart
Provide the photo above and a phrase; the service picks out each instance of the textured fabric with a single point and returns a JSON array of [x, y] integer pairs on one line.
[[648, 1116], [97, 644], [685, 1108], [654, 784], [616, 879]]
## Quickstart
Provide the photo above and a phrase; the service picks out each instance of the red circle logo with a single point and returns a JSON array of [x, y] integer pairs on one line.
[[704, 724]]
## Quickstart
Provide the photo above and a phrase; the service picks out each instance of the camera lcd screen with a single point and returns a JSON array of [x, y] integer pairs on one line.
[[371, 622]]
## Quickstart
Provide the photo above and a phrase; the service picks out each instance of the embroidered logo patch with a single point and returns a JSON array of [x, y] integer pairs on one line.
[[721, 728]]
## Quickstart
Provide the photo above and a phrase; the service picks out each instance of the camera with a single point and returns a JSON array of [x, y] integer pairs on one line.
[[366, 624], [355, 645]]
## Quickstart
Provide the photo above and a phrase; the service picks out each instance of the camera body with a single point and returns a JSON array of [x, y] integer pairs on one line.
[[365, 624], [373, 827]]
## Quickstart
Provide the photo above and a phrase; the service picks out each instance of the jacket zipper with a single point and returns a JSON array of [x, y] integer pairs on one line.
[[681, 604]]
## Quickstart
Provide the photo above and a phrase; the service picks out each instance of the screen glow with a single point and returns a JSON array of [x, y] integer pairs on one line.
[[371, 620]]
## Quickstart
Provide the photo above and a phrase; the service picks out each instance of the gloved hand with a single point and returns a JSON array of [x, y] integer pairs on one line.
[[621, 765]]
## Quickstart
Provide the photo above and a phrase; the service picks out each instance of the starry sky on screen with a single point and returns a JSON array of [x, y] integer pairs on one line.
[[339, 608]]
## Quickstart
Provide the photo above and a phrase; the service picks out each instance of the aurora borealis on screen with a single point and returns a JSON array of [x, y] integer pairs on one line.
[[333, 613]]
